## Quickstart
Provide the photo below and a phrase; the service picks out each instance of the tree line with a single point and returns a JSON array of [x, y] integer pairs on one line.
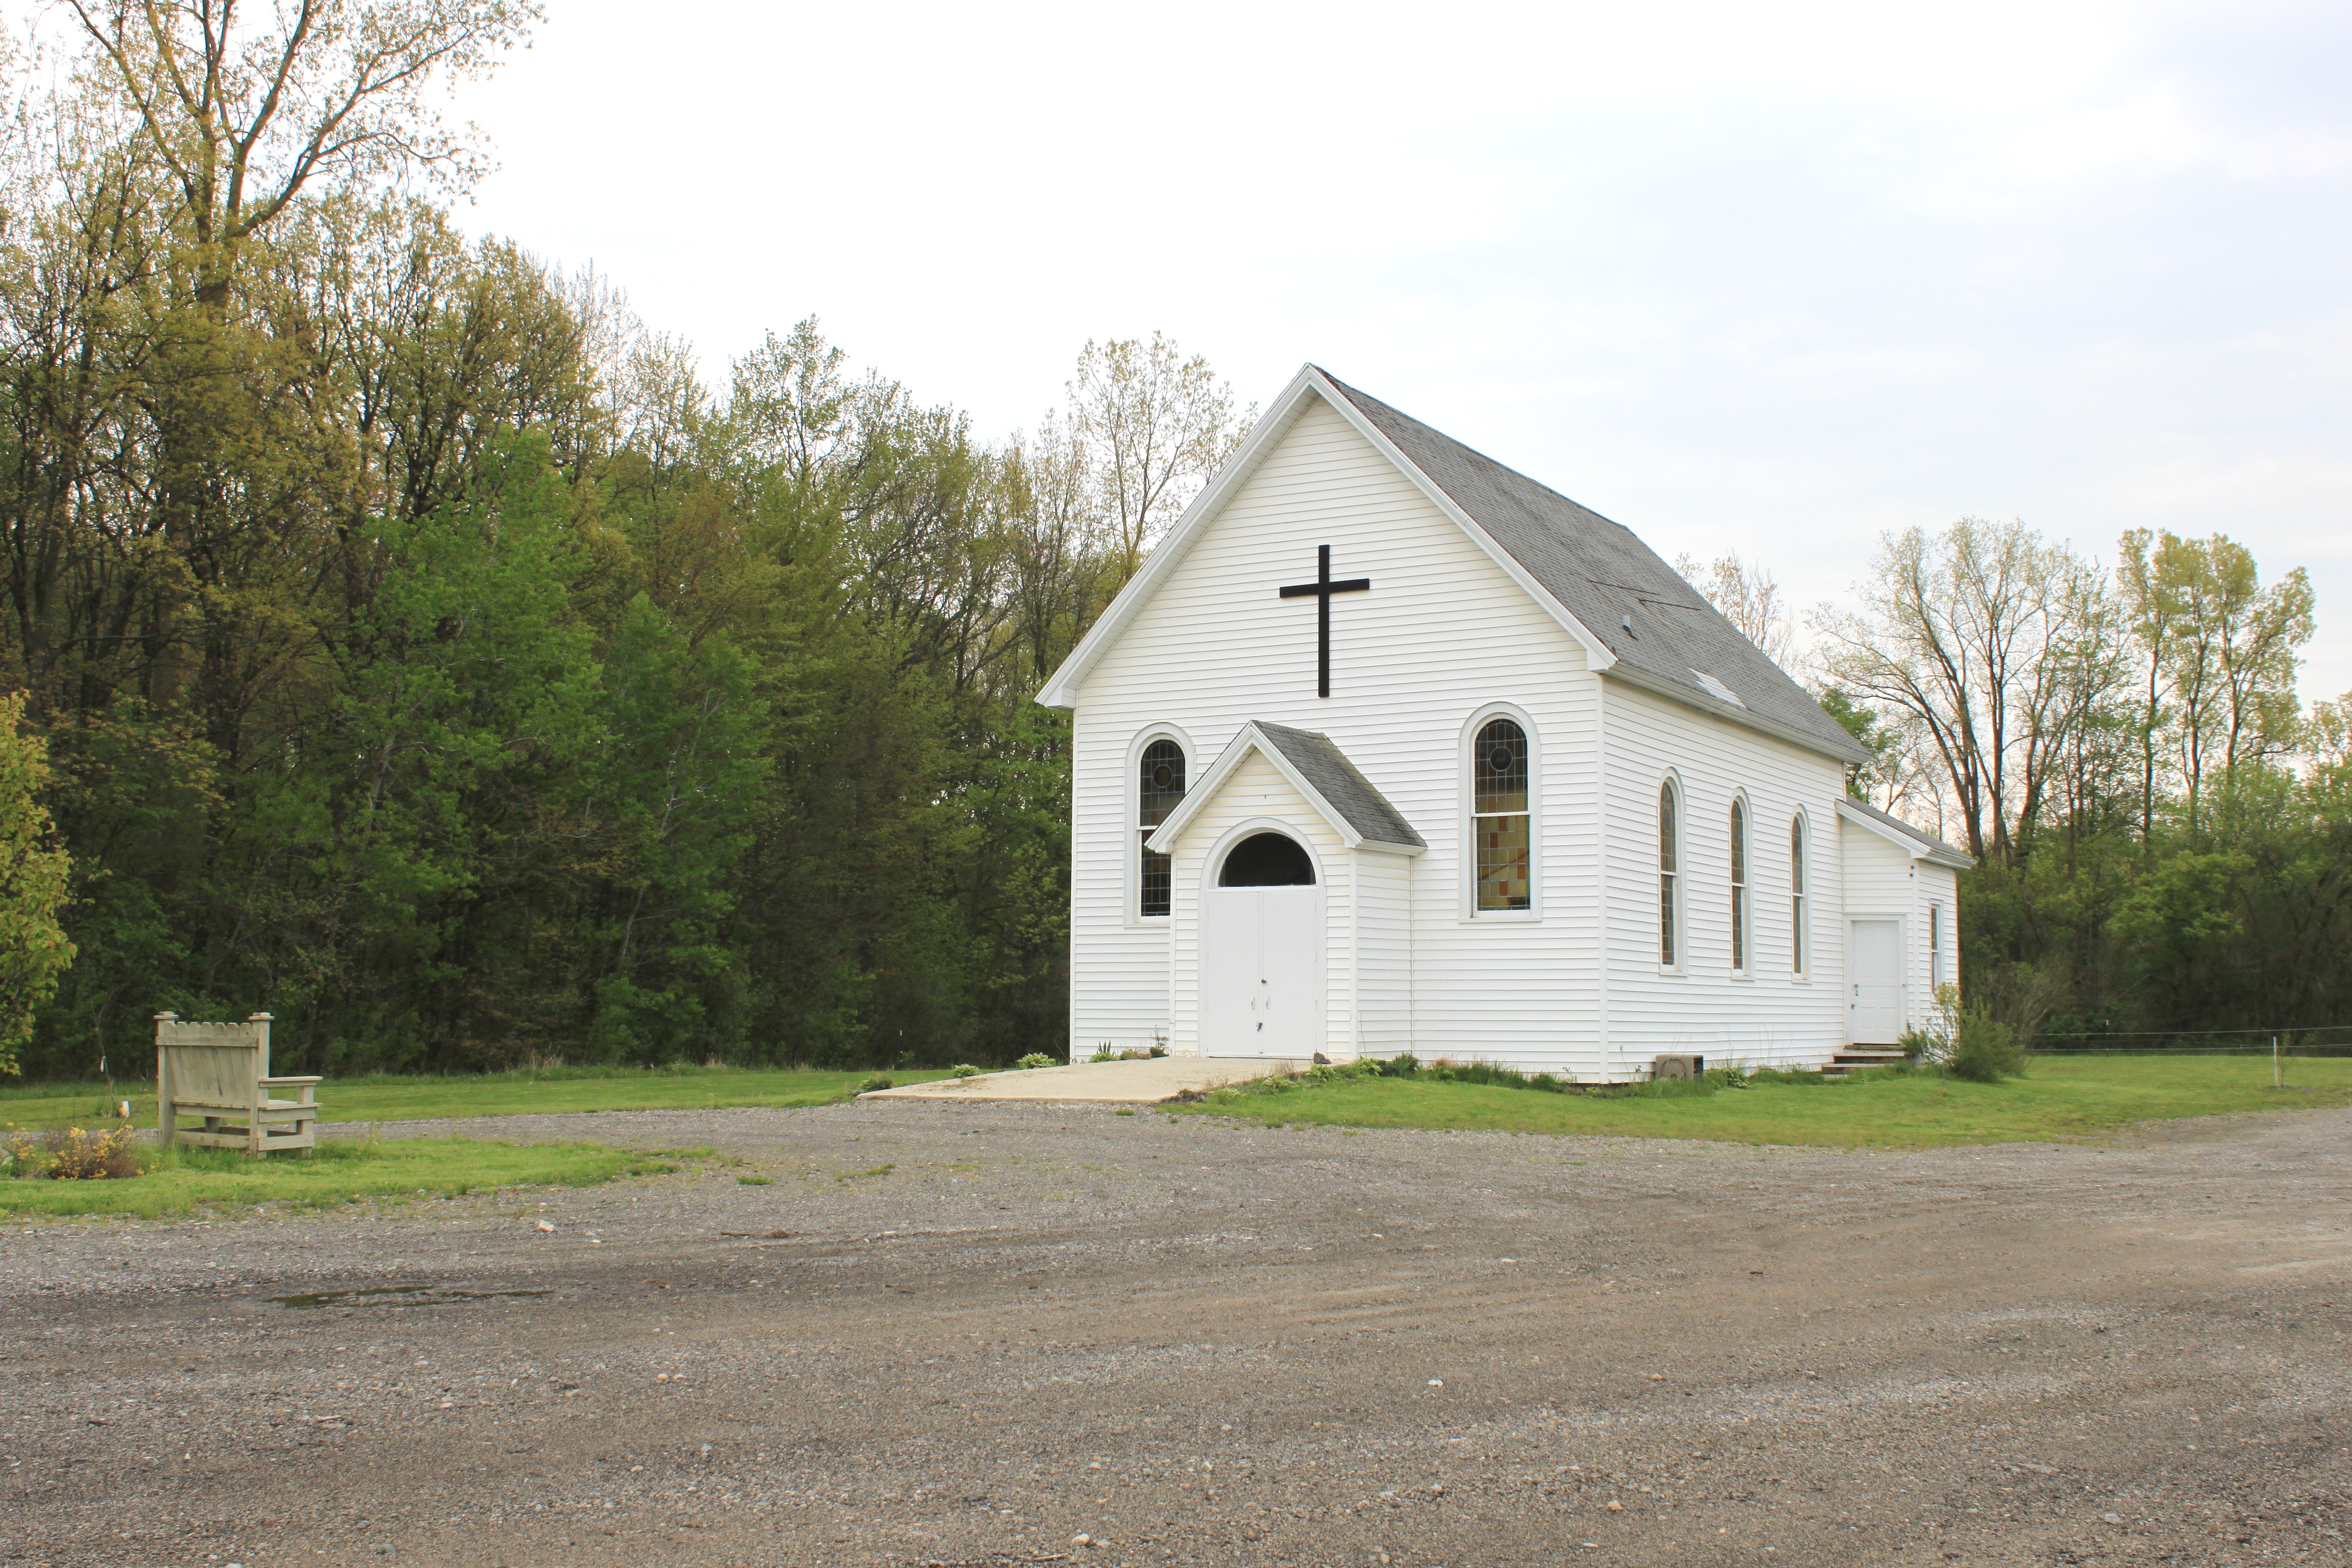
[[2163, 831], [403, 638], [421, 651]]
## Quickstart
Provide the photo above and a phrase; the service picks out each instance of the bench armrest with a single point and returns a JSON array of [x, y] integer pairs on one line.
[[273, 1082]]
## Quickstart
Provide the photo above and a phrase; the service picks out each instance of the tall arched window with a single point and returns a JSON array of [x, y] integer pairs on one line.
[[1797, 896], [1669, 879], [1158, 790], [1738, 887], [1499, 815]]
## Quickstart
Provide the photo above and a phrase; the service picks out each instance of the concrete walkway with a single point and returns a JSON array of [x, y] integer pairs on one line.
[[1133, 1082]]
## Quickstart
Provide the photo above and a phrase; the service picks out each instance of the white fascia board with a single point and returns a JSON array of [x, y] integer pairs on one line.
[[1597, 654], [1904, 842], [1251, 739], [1062, 689]]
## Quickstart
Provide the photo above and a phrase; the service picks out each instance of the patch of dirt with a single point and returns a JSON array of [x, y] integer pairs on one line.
[[1198, 1342]]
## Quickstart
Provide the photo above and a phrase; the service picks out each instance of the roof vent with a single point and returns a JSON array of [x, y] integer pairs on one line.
[[1717, 689], [1627, 622]]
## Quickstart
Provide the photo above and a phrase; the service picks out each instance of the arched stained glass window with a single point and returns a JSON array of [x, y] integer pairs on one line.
[[1739, 887], [1500, 818], [1669, 879], [1158, 790], [1797, 896]]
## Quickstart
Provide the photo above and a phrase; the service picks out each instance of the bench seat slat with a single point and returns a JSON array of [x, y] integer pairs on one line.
[[237, 1140]]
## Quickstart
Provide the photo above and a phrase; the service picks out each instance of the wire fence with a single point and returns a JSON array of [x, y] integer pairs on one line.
[[2319, 1041]]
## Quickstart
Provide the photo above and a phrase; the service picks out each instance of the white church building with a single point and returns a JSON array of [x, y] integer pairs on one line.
[[1389, 748]]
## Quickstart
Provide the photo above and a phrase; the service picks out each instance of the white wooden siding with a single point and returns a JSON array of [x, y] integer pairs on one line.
[[1770, 1016], [1933, 884], [1882, 882], [1383, 942]]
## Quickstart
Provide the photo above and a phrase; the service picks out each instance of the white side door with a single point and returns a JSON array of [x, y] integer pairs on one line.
[[1262, 971], [1874, 976]]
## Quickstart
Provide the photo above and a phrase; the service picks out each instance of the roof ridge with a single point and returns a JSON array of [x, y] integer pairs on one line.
[[1359, 394], [1593, 574]]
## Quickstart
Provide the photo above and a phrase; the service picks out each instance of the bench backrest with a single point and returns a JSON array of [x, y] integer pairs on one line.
[[212, 1061]]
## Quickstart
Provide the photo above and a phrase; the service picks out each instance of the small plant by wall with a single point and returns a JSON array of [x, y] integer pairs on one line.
[[1986, 1050]]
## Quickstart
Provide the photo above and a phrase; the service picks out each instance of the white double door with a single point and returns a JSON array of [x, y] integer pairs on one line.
[[1262, 956], [1874, 983]]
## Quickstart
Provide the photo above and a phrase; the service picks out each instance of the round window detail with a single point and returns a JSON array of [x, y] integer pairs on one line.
[[1267, 861]]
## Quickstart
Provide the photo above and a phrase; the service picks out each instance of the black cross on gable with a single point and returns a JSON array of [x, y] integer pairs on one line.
[[1322, 588]]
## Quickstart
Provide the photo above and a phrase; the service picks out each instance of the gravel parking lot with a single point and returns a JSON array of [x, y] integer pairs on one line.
[[974, 1334]]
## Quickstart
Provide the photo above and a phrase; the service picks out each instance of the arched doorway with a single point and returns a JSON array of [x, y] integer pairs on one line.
[[1262, 950]]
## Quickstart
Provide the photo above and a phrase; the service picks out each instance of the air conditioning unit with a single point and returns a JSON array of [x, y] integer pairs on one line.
[[1678, 1067]]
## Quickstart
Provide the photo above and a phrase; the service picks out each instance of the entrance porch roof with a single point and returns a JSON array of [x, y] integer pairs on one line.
[[1317, 770]]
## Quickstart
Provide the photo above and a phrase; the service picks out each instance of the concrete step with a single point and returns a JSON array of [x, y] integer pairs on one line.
[[1846, 1062]]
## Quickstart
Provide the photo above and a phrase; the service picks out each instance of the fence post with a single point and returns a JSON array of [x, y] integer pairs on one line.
[[167, 1124], [2275, 1062]]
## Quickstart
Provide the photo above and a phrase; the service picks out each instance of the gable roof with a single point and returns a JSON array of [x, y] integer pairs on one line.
[[1918, 842], [1662, 632], [1316, 769], [1636, 618], [1339, 782]]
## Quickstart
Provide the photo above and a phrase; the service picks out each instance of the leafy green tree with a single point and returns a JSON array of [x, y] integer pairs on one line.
[[1155, 427], [2219, 651], [677, 776], [138, 796], [34, 875], [1877, 737], [466, 722]]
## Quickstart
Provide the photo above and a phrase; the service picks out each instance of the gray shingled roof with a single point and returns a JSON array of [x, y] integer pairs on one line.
[[1335, 778], [1664, 632], [1919, 836]]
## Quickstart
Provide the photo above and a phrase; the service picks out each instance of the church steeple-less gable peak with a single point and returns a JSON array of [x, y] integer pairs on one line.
[[1638, 620]]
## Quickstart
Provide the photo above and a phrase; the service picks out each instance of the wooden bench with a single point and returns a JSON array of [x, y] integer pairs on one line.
[[221, 1072]]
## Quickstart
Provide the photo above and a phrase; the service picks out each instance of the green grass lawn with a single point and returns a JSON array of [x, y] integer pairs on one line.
[[2073, 1098], [341, 1172], [384, 1097]]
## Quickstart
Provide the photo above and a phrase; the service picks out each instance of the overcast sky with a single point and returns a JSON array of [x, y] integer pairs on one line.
[[1764, 278]]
